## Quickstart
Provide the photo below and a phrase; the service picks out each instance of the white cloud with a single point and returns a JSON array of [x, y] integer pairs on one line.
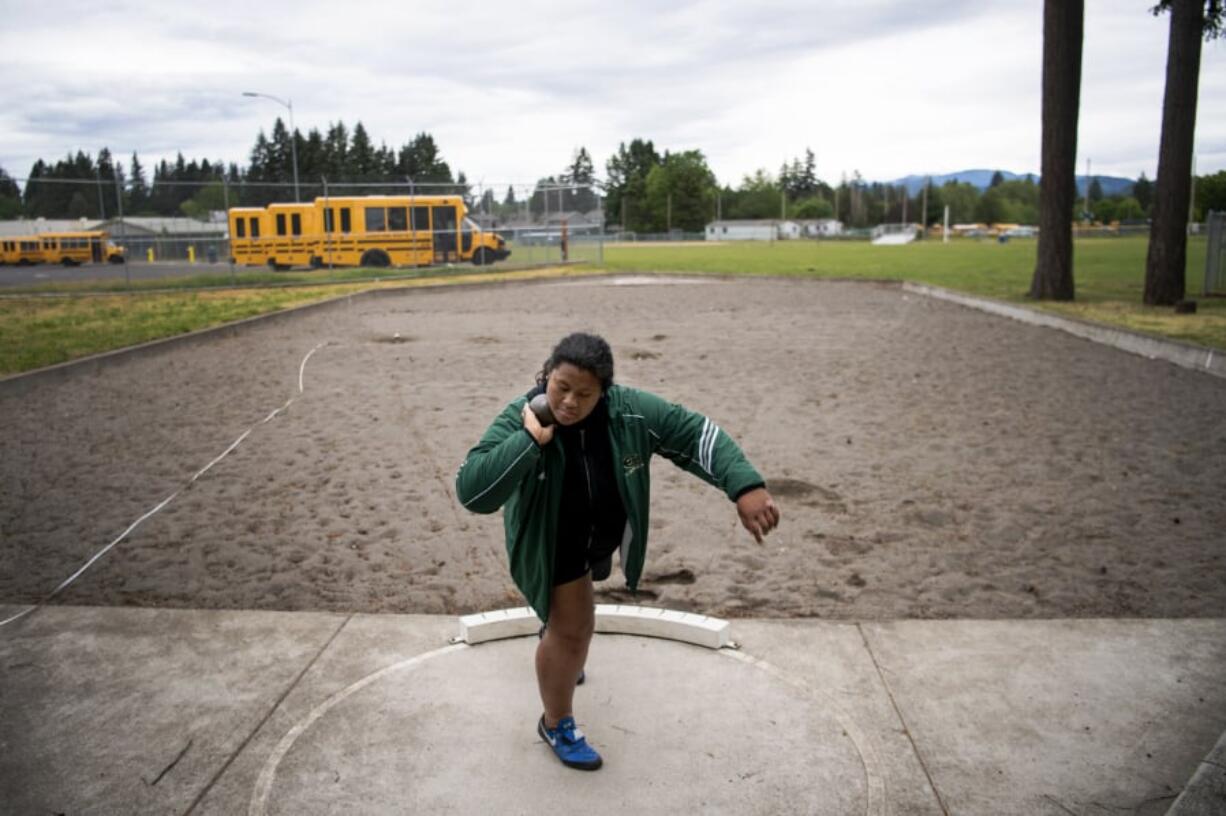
[[886, 87]]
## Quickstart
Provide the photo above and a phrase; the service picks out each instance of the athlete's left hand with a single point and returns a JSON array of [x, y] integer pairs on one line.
[[758, 512]]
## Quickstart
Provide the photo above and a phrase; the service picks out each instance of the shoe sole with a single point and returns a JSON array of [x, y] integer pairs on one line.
[[581, 766]]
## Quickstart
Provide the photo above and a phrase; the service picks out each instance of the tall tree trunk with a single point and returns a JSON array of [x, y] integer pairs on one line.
[[1166, 263], [1063, 23]]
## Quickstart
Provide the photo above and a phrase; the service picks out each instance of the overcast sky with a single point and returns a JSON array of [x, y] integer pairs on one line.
[[885, 87]]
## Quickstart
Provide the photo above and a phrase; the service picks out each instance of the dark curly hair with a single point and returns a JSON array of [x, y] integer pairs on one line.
[[587, 351]]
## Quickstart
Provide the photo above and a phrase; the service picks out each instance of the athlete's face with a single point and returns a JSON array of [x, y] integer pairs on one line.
[[573, 393]]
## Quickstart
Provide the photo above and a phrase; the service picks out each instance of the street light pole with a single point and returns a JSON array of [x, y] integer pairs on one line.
[[293, 131]]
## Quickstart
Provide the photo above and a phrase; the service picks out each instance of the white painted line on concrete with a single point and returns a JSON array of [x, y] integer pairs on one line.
[[635, 280], [167, 500], [1185, 355], [263, 786], [874, 774], [647, 621]]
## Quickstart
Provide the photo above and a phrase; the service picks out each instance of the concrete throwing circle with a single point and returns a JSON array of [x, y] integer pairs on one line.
[[681, 729]]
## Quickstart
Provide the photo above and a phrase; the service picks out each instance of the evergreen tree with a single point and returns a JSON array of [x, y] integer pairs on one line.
[[808, 184], [79, 206], [1095, 192], [626, 184], [138, 194], [580, 174], [105, 173], [580, 171], [311, 158], [10, 196], [1063, 27], [30, 199], [420, 161], [1166, 263], [464, 189], [1143, 191], [336, 152]]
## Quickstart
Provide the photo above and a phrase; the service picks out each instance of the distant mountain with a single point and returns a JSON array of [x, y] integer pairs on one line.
[[1112, 185]]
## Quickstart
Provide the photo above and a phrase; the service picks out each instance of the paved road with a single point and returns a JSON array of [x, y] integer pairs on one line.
[[48, 273]]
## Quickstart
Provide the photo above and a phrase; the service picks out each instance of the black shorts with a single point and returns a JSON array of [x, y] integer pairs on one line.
[[575, 561]]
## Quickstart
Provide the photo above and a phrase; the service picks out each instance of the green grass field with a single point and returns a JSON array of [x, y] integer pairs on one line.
[[38, 330], [1109, 274]]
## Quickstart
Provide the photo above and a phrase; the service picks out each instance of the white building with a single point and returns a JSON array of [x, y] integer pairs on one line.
[[772, 229], [743, 230], [820, 227], [35, 226]]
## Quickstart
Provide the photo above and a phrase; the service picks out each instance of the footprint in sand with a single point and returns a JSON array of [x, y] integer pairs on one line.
[[807, 494], [682, 576]]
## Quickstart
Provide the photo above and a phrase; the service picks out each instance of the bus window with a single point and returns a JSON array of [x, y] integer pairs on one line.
[[346, 223], [468, 228], [421, 218], [444, 219], [375, 219], [329, 219], [240, 228], [255, 226], [280, 223], [295, 221], [444, 232], [397, 219]]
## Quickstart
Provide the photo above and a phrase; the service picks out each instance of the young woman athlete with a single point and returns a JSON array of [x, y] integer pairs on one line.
[[575, 491]]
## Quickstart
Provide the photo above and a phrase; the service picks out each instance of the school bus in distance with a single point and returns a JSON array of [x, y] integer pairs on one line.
[[21, 250], [67, 248], [374, 231]]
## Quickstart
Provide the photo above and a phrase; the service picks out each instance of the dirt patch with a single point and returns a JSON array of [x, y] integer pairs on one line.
[[929, 460]]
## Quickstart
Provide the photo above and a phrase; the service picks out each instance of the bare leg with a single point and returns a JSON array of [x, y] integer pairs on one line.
[[563, 650]]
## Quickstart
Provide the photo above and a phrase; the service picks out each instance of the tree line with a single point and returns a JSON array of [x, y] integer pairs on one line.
[[643, 190], [82, 186]]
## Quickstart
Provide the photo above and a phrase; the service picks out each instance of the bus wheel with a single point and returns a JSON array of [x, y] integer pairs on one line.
[[375, 257], [317, 262], [483, 257]]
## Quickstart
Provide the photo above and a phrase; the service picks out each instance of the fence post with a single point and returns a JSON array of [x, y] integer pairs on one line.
[[1213, 252], [225, 202], [127, 273]]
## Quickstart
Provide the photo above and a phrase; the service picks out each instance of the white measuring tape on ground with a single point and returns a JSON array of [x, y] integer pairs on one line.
[[171, 497]]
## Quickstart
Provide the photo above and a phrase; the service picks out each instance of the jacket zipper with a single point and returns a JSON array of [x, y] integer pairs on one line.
[[591, 503]]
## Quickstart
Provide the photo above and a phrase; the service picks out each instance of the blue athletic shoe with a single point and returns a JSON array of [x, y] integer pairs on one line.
[[568, 742]]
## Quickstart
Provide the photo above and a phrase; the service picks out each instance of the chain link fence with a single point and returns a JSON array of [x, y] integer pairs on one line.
[[1215, 271], [528, 224]]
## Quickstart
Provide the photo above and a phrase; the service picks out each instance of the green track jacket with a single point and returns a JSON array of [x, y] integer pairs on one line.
[[507, 469]]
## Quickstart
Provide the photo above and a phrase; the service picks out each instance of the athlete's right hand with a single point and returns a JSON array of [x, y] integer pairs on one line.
[[543, 435]]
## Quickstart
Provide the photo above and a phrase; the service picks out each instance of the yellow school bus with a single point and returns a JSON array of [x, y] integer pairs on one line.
[[67, 248], [292, 235], [248, 231], [20, 250], [374, 231], [75, 248]]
